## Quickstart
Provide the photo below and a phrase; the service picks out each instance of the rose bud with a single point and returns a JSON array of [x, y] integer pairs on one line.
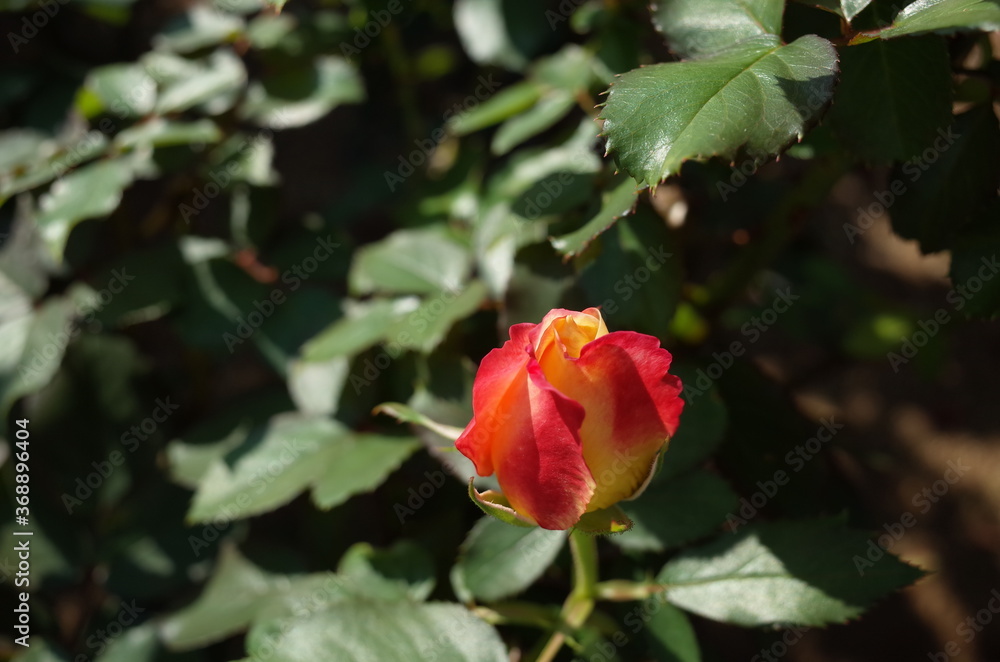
[[571, 418]]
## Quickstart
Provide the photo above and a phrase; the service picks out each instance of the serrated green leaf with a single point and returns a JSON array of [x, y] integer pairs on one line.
[[188, 84], [677, 510], [20, 148], [425, 328], [137, 644], [316, 386], [32, 346], [199, 27], [364, 326], [126, 90], [618, 201], [695, 28], [882, 82], [571, 69], [266, 30], [358, 464], [503, 105], [410, 262], [527, 168], [671, 637], [498, 560], [551, 108], [159, 132], [943, 17], [227, 604], [91, 191], [486, 37], [23, 276], [302, 96], [291, 453], [191, 456], [950, 182], [379, 631], [660, 116], [802, 573], [404, 571], [238, 593], [498, 234], [275, 463], [54, 160]]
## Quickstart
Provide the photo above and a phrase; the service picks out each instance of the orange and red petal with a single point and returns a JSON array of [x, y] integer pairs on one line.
[[537, 453], [499, 373], [633, 407]]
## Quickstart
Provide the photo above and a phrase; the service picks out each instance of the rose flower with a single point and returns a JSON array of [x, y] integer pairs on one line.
[[571, 417]]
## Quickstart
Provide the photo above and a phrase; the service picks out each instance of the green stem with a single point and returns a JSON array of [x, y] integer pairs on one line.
[[580, 603], [521, 613], [624, 591], [583, 547]]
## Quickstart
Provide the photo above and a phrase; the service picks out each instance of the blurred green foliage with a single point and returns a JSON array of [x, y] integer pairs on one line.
[[228, 230]]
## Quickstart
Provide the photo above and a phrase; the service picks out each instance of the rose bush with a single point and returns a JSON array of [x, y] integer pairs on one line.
[[571, 417]]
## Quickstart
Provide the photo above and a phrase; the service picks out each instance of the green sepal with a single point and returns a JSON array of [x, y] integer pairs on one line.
[[603, 522], [496, 505]]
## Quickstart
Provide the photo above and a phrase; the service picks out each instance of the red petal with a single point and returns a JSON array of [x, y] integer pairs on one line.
[[537, 454], [633, 406], [529, 433], [497, 373]]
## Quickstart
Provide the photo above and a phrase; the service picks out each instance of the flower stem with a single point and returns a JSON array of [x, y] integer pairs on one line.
[[580, 602]]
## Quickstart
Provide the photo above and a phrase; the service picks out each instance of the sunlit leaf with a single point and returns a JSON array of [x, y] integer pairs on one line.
[[498, 560], [660, 116], [804, 573]]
